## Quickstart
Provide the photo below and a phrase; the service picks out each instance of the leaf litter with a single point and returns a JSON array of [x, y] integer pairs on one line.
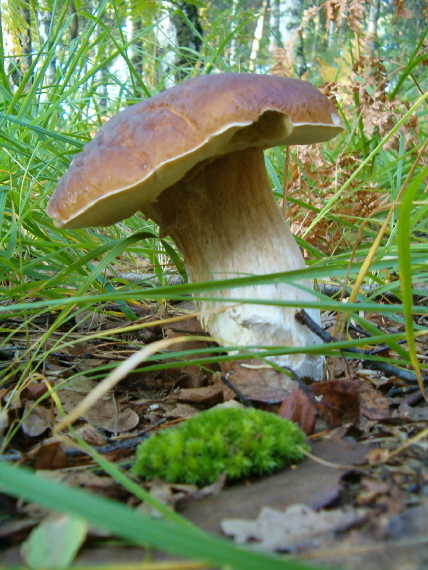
[[350, 489]]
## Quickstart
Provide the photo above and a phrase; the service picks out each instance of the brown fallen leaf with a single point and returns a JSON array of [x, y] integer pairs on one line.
[[412, 413], [167, 494], [276, 530], [99, 484], [299, 408], [373, 405], [13, 399], [35, 391], [49, 455], [91, 435], [371, 490], [89, 320], [257, 381], [336, 401], [107, 413], [38, 420], [377, 456], [192, 376], [208, 395], [181, 411], [112, 417]]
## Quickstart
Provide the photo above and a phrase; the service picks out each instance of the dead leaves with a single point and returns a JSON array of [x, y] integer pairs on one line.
[[311, 174], [354, 477], [335, 402], [256, 381], [378, 111], [110, 413], [276, 530], [37, 419], [299, 408]]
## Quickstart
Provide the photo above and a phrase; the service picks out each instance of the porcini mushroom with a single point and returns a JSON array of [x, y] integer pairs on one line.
[[191, 159]]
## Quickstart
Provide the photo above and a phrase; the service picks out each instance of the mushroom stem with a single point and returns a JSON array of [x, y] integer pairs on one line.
[[225, 220]]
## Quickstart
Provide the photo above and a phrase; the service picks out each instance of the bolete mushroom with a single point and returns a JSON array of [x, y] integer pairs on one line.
[[191, 159]]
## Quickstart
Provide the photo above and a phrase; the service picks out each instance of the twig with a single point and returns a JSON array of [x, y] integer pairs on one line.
[[303, 318], [243, 399], [330, 290], [400, 391], [120, 445]]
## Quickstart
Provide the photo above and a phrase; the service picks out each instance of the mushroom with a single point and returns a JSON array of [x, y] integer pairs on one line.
[[191, 159]]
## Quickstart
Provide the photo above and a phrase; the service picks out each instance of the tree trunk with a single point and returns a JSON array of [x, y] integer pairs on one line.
[[286, 17], [371, 33], [135, 49], [331, 32], [16, 31], [258, 35], [45, 22], [25, 38], [188, 39], [178, 39], [274, 25], [165, 37], [73, 30], [233, 57]]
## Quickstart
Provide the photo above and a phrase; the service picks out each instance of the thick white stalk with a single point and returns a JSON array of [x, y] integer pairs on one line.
[[225, 220]]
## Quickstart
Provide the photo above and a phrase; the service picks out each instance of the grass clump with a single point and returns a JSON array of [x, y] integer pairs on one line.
[[238, 442]]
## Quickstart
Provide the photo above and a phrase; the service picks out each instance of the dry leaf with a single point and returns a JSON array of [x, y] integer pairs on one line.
[[299, 408], [49, 455], [38, 420], [414, 414], [54, 542], [374, 406], [107, 413], [257, 381], [372, 489], [181, 411], [208, 395], [276, 530], [336, 401], [89, 320]]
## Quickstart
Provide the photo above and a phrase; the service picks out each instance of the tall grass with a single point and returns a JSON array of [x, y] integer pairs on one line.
[[47, 274]]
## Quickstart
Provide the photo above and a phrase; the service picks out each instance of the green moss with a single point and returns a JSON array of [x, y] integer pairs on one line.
[[235, 441]]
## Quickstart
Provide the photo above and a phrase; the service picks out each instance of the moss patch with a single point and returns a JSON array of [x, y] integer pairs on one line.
[[238, 442]]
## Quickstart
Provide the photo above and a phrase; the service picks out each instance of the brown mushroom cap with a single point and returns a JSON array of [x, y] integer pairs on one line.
[[151, 145]]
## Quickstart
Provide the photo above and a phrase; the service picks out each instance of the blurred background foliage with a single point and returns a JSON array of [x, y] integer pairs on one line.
[[66, 67]]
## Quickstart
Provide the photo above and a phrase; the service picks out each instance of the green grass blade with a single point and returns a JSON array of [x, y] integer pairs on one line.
[[405, 224], [133, 526]]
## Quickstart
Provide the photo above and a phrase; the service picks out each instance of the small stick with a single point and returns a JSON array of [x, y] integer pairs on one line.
[[119, 445], [242, 397], [303, 318]]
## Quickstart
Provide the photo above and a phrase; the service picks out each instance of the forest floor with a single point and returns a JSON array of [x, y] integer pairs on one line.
[[359, 500]]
